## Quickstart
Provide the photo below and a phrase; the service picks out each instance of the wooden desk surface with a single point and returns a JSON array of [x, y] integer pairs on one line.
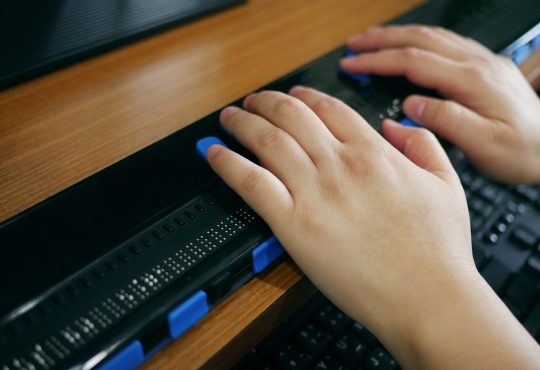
[[63, 127]]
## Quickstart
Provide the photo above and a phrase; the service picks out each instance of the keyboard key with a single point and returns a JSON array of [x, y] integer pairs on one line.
[[480, 256], [332, 319], [147, 242], [313, 339], [496, 274], [516, 208], [522, 292], [135, 249], [476, 222], [328, 362], [123, 257], [379, 359], [478, 184], [350, 350], [533, 264], [364, 334], [290, 357], [524, 237], [499, 228], [532, 322], [508, 218], [157, 235], [491, 238], [527, 192], [168, 228], [466, 178], [492, 194], [179, 221]]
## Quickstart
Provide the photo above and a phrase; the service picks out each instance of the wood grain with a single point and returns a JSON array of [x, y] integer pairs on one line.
[[63, 127]]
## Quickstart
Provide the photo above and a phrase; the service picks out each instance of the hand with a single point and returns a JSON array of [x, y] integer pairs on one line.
[[492, 113], [377, 228]]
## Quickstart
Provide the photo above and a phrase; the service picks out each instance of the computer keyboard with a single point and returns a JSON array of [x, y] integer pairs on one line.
[[505, 226]]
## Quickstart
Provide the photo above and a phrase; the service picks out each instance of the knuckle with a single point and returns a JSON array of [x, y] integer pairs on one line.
[[271, 137], [285, 106], [423, 134], [423, 31], [251, 180], [309, 219], [326, 104], [410, 53], [353, 164], [474, 73], [444, 112]]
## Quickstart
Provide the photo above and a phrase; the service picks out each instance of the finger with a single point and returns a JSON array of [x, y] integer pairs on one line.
[[258, 187], [295, 118], [342, 121], [276, 150], [447, 119], [424, 68], [422, 37], [420, 146]]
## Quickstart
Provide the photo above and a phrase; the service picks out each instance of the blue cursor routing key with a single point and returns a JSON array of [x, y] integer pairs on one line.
[[203, 145], [409, 122], [364, 79]]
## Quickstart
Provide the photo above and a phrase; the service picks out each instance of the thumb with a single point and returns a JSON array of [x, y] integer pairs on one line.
[[419, 145], [446, 118]]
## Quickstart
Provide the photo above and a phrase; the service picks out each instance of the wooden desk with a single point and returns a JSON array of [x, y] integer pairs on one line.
[[63, 127]]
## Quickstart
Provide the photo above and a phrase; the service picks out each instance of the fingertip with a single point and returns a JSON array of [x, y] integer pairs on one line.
[[227, 112], [295, 90], [387, 126], [249, 99], [414, 107], [347, 63], [355, 40], [213, 151]]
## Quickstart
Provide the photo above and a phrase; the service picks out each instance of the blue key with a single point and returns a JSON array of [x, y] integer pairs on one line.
[[408, 122], [520, 54], [535, 42], [207, 142], [364, 79]]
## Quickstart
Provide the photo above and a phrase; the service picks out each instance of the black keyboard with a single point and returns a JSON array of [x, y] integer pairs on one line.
[[505, 225], [320, 337]]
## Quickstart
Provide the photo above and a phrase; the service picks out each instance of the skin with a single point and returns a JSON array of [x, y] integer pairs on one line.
[[380, 225], [488, 108]]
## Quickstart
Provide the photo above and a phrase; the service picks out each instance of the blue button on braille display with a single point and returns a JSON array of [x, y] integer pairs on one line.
[[364, 79], [409, 122], [187, 314], [203, 145], [266, 253], [521, 54], [129, 358]]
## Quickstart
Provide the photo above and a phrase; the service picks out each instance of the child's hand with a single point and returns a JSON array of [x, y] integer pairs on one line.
[[378, 228], [493, 114]]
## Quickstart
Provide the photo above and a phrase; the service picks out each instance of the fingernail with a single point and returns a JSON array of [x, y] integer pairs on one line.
[[296, 89], [418, 111], [347, 62], [249, 98], [355, 39], [390, 122], [227, 112], [213, 150], [374, 29]]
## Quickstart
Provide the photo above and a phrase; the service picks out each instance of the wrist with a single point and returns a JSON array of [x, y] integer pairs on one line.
[[426, 319]]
